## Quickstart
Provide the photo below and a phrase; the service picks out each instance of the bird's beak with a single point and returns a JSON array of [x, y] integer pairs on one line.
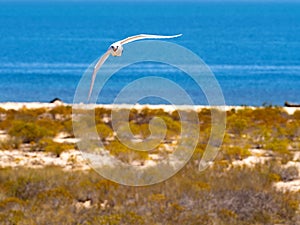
[[114, 48]]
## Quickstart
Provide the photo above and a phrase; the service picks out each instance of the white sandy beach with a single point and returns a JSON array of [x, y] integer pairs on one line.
[[167, 108]]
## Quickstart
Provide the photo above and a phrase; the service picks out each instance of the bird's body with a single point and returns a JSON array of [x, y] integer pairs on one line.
[[116, 49]]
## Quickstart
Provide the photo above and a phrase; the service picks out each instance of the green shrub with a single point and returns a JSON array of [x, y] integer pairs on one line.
[[174, 127], [104, 131], [139, 129], [237, 124], [274, 177], [8, 119], [279, 146], [65, 111], [28, 114], [28, 131], [100, 112], [269, 115], [67, 126], [234, 153], [124, 153], [296, 115], [2, 110], [292, 131], [53, 147], [52, 126]]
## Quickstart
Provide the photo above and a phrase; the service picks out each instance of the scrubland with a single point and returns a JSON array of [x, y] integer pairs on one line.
[[230, 191]]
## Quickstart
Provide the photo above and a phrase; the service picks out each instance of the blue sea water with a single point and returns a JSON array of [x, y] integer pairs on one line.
[[253, 48]]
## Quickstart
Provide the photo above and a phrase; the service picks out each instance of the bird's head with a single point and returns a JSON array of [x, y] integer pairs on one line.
[[117, 49]]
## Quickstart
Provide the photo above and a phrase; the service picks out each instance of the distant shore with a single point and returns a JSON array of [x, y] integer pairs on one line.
[[35, 105]]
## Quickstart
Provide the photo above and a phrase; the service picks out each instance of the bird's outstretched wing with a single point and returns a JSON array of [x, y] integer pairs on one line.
[[146, 36], [122, 42], [96, 68]]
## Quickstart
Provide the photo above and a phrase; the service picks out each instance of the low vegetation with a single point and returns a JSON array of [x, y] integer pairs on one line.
[[36, 128], [217, 196], [222, 194]]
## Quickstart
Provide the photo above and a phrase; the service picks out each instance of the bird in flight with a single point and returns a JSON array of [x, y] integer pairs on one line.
[[116, 49]]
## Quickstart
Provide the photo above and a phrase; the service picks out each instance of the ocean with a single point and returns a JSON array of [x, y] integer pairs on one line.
[[253, 48]]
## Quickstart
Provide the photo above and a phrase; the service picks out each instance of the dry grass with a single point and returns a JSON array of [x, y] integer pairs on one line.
[[221, 195]]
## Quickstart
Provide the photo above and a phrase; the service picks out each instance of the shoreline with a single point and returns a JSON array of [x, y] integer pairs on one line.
[[169, 108]]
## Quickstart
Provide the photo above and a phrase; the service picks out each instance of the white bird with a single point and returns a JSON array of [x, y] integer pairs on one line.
[[116, 49]]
